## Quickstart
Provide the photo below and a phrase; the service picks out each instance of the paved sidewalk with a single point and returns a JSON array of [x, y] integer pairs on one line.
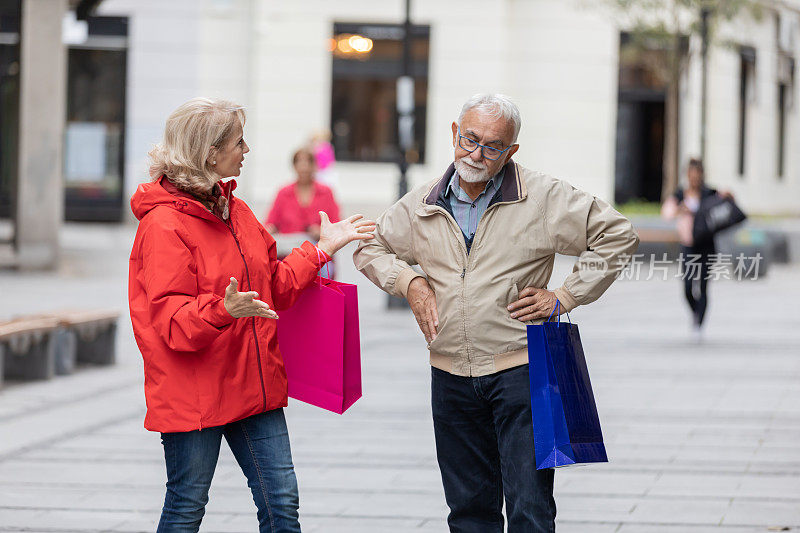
[[702, 437]]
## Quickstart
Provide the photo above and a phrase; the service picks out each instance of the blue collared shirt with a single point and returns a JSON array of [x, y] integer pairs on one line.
[[466, 211]]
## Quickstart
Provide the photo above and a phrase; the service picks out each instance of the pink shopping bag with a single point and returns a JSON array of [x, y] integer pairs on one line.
[[319, 340]]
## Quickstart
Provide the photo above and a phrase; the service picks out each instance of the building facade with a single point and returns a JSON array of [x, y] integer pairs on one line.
[[586, 117]]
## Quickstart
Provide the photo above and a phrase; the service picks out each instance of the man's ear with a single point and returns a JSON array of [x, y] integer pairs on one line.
[[511, 152], [455, 134]]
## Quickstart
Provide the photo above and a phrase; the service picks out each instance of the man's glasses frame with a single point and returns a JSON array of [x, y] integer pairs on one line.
[[486, 151]]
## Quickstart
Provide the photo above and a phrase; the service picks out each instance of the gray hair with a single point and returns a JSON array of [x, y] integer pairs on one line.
[[498, 106]]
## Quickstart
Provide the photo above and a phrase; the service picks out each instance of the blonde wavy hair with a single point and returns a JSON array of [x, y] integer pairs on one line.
[[191, 130]]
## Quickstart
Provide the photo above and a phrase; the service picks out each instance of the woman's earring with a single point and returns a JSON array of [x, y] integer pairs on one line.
[[214, 162]]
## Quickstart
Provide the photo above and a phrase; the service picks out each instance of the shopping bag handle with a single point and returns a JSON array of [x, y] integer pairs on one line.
[[558, 316], [327, 269]]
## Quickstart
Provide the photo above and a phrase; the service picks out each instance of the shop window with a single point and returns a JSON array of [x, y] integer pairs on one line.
[[95, 129], [367, 61]]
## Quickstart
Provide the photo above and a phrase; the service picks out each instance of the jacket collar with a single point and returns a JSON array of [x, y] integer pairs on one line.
[[512, 189], [191, 205]]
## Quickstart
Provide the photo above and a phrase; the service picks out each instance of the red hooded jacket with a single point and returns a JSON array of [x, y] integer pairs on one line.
[[202, 367]]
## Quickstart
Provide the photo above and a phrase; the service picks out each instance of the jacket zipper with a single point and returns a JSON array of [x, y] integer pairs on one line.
[[229, 224], [460, 239], [464, 269]]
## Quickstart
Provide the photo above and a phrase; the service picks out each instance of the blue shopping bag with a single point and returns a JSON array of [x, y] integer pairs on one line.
[[566, 428]]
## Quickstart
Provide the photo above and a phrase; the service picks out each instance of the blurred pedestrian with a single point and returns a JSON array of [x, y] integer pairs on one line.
[[485, 234], [204, 284], [297, 205], [325, 156], [695, 259]]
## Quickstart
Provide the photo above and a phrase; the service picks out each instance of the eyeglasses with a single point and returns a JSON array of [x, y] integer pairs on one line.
[[492, 154]]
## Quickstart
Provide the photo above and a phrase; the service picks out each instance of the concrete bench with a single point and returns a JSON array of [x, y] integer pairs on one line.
[[27, 347], [40, 346], [94, 334]]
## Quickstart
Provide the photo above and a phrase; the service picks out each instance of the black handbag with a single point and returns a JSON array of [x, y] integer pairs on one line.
[[715, 214]]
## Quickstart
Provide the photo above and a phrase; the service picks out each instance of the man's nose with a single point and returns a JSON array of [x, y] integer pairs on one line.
[[477, 154]]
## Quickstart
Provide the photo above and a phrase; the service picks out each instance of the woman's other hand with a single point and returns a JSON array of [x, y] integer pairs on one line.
[[244, 304], [334, 236]]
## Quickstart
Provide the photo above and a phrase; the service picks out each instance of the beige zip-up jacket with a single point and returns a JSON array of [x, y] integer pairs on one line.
[[531, 218]]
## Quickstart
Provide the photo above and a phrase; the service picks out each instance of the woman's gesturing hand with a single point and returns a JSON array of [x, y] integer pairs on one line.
[[244, 304], [334, 236]]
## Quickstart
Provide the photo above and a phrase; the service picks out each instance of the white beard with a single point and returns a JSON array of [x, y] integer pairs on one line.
[[470, 174]]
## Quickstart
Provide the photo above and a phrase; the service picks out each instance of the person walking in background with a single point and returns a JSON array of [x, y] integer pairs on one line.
[[695, 259], [486, 233], [297, 205], [325, 157], [204, 283]]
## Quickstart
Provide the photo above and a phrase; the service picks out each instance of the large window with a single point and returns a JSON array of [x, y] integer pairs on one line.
[[94, 141], [367, 60]]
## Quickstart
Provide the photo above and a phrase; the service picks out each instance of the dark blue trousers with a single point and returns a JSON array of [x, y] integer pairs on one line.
[[484, 444]]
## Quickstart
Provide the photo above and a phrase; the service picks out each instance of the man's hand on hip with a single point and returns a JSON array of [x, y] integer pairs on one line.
[[534, 303], [423, 303]]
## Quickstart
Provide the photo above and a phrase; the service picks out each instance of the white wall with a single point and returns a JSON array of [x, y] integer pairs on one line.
[[759, 190], [558, 59], [163, 41]]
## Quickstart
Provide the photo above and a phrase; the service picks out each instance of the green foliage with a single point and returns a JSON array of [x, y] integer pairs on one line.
[[639, 207], [660, 24]]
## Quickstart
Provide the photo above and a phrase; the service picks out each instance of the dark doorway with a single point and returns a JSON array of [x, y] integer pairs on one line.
[[9, 103], [640, 150], [640, 123]]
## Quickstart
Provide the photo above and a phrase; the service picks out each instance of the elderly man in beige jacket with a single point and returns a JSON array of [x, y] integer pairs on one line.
[[485, 234]]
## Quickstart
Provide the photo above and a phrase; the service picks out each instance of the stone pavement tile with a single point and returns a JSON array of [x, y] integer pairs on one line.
[[139, 522], [764, 513], [715, 454], [699, 512], [574, 526], [365, 524], [123, 498], [683, 484], [212, 523], [14, 470], [385, 505], [69, 519], [599, 508], [18, 496], [17, 519], [622, 453], [782, 487], [600, 480], [779, 453], [685, 528], [427, 480], [363, 478]]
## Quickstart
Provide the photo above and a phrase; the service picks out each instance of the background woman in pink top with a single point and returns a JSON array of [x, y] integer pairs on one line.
[[297, 206]]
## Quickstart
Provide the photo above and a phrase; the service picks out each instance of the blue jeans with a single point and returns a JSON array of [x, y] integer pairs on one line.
[[484, 444], [260, 444]]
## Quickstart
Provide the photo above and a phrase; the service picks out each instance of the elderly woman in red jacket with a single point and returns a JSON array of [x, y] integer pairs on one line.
[[204, 285]]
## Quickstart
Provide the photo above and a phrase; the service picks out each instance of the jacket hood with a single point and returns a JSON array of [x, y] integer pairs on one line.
[[150, 195]]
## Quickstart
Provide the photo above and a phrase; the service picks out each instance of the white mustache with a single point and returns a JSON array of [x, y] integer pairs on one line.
[[468, 161]]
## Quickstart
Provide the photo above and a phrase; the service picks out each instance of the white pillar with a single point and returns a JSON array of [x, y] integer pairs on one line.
[[42, 115]]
